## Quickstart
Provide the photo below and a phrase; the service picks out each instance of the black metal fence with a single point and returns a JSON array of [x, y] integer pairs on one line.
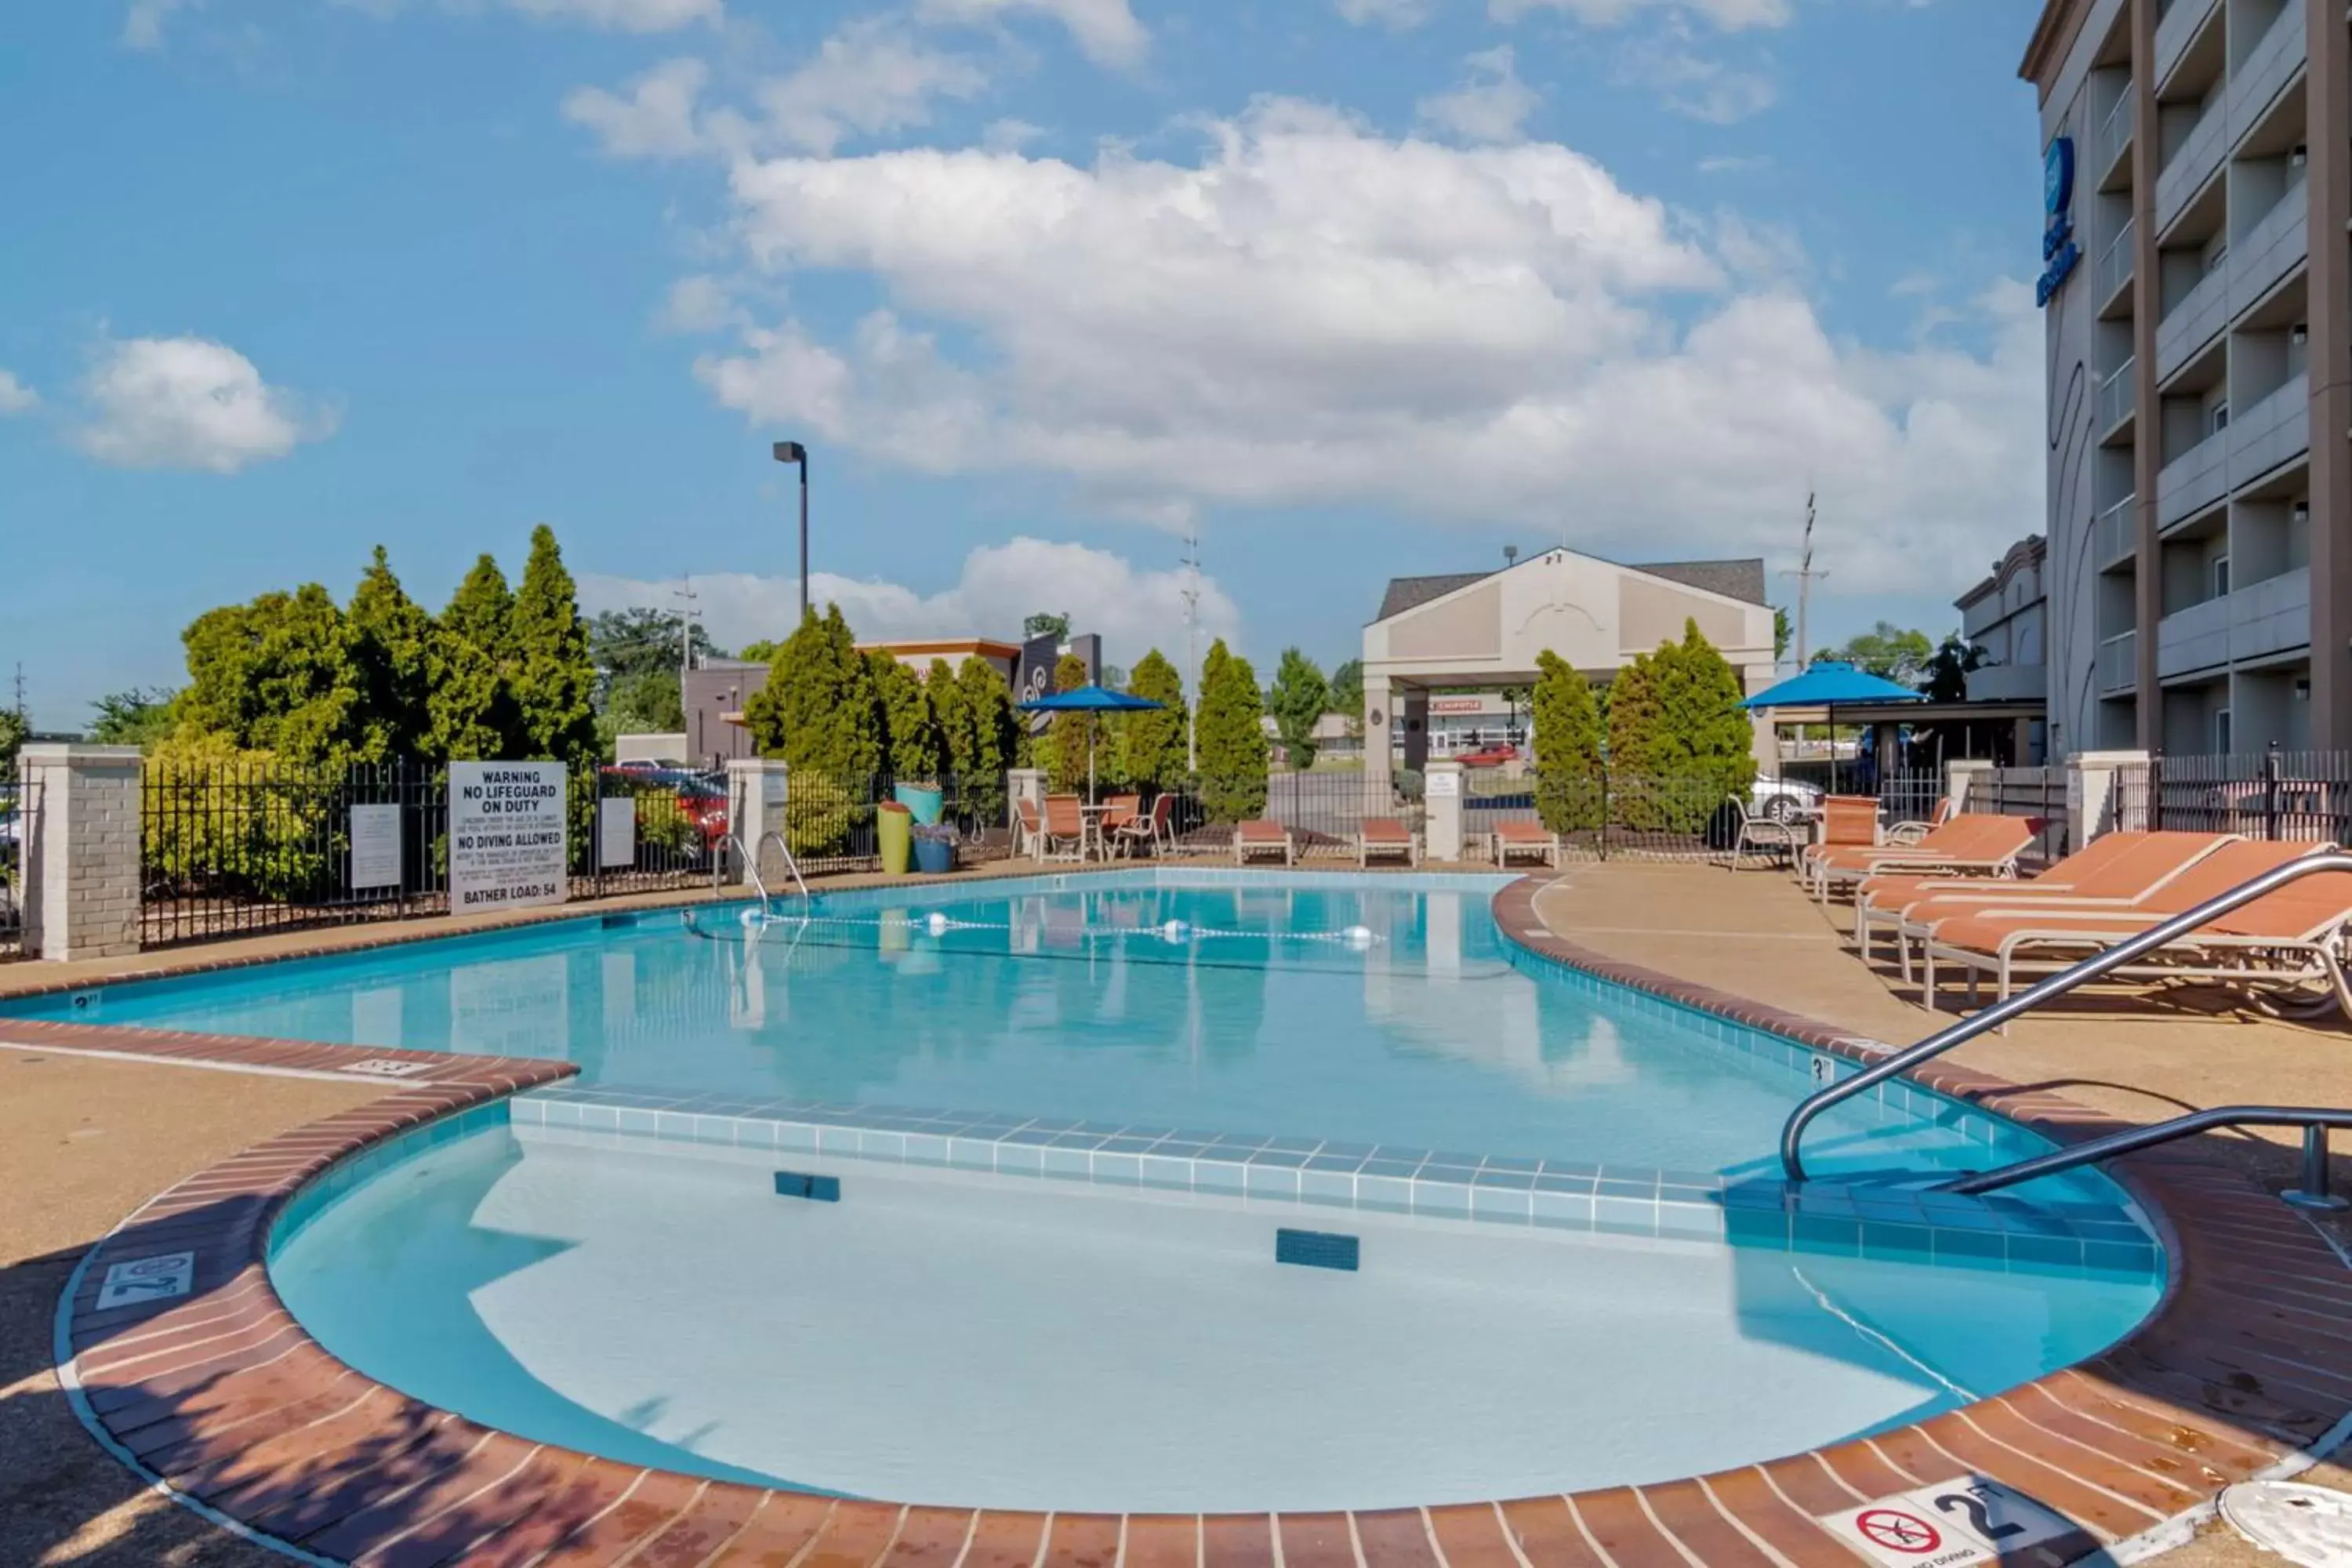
[[2274, 794], [230, 848], [14, 816], [831, 824], [2037, 793], [1325, 811]]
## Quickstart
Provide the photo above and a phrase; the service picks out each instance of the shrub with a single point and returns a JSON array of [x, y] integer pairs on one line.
[[1232, 740], [1567, 746], [222, 820]]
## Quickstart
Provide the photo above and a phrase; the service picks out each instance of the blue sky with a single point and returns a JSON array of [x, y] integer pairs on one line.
[[1350, 287]]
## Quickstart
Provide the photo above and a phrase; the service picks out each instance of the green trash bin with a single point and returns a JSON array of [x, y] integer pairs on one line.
[[895, 827]]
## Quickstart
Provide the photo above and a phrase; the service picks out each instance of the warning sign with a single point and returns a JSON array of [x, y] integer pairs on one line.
[[1967, 1519], [507, 843]]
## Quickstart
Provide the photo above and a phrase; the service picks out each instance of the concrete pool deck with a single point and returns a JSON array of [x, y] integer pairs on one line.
[[223, 1394]]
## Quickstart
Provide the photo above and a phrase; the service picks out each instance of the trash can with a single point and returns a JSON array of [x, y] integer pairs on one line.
[[926, 800], [895, 826]]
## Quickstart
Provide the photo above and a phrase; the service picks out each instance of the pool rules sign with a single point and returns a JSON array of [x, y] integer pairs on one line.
[[506, 836]]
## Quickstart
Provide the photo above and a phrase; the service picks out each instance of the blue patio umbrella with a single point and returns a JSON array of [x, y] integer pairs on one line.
[[1090, 701], [1830, 685]]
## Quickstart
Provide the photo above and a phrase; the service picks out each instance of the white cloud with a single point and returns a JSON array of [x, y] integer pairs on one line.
[[1397, 16], [1009, 135], [656, 119], [871, 77], [143, 24], [1729, 15], [1133, 609], [16, 397], [1694, 84], [1106, 30], [1735, 163], [624, 15], [700, 303], [188, 402], [1491, 105], [1311, 314]]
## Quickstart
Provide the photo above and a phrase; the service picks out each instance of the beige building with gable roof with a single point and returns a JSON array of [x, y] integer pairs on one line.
[[1481, 630]]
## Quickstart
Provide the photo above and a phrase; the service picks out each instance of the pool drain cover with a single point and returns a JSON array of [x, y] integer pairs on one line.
[[2309, 1525]]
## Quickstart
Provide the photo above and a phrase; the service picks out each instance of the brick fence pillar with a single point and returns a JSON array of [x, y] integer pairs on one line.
[[81, 850]]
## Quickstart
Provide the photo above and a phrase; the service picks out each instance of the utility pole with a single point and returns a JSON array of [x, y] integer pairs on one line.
[[1806, 577], [1193, 649], [20, 688], [687, 597]]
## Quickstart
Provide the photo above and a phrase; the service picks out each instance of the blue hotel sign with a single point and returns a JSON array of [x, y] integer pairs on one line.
[[2059, 254]]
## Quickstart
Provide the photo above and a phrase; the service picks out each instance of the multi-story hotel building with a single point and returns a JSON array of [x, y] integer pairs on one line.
[[2198, 291]]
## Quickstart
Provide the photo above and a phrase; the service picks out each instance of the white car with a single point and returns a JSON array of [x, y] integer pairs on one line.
[[1782, 799]]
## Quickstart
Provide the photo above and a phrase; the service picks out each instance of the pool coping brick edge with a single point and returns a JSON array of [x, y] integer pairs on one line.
[[223, 1400]]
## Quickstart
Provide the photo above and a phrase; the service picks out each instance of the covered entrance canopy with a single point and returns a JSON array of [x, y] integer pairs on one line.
[[1482, 631]]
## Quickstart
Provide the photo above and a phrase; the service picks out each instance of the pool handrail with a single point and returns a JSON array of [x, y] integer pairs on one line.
[[1793, 1132], [808, 899], [2314, 1121]]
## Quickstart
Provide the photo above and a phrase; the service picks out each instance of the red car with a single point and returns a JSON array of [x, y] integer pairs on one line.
[[1488, 756], [701, 799]]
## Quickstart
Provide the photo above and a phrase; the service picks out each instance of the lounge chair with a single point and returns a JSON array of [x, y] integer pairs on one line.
[[1262, 837], [1151, 827], [1386, 836], [1028, 829], [1525, 839], [1768, 834], [1966, 845], [1066, 825], [2304, 920], [2117, 870], [1912, 832], [1847, 821]]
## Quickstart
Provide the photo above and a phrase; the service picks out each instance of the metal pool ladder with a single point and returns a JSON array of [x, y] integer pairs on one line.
[[751, 868], [2315, 1120]]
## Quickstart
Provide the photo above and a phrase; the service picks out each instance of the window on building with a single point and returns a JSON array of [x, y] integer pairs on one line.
[[2220, 575], [2221, 416], [2221, 731]]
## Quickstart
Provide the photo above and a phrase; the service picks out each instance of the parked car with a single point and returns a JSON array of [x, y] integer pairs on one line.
[[1782, 799], [1493, 756], [701, 798]]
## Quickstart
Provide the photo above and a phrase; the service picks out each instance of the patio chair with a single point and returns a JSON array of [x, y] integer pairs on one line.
[[1066, 824], [1153, 827], [1525, 839], [1969, 844], [1119, 810], [2303, 921], [2120, 870], [1768, 835], [1028, 829], [1388, 836], [1263, 837]]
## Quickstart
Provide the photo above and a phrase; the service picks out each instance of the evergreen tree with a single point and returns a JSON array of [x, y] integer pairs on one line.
[[817, 711], [390, 650], [1298, 699], [1713, 733], [275, 675], [1637, 745], [990, 728], [912, 727], [1151, 741], [947, 713], [553, 679], [1232, 740], [470, 711], [1567, 746], [1067, 738]]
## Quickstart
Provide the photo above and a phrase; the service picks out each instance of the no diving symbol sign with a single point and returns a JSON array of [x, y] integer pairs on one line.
[[1966, 1519], [1898, 1532], [147, 1279]]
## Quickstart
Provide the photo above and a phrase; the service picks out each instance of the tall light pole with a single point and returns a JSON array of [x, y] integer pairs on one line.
[[793, 452]]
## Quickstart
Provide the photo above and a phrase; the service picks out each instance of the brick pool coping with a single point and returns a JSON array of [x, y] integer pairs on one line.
[[224, 1398]]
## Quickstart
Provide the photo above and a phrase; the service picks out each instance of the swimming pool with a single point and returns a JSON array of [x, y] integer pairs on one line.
[[1561, 1194]]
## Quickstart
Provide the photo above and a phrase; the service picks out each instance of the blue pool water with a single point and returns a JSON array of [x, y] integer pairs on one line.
[[613, 1264], [1427, 1031]]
